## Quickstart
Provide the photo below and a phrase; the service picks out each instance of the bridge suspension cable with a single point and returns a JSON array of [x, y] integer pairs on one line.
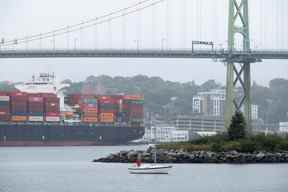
[[107, 18]]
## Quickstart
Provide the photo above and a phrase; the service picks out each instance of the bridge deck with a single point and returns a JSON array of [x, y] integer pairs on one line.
[[148, 53]]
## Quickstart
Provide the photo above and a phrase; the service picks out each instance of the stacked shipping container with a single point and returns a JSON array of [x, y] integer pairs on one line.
[[35, 107], [51, 108], [19, 106], [89, 108], [108, 108], [133, 108], [4, 107]]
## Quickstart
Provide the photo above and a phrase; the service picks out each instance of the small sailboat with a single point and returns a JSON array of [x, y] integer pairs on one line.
[[154, 168]]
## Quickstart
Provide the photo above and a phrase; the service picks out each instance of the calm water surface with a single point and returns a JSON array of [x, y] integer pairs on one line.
[[69, 169]]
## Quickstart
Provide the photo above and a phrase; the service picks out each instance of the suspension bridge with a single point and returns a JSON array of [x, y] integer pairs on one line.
[[237, 54]]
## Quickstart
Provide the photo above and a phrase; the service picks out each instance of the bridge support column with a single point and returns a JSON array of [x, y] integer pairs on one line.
[[238, 67], [247, 94]]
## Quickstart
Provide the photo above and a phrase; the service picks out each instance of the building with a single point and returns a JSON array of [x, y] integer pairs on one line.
[[254, 112], [199, 123], [165, 134], [283, 127], [212, 103]]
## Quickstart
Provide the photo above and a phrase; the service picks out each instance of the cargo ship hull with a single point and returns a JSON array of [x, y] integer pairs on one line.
[[67, 135]]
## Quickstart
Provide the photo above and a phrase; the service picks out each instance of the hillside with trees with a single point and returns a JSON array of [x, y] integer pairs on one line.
[[176, 98]]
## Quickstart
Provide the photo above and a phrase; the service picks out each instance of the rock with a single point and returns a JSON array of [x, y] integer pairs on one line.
[[179, 156]]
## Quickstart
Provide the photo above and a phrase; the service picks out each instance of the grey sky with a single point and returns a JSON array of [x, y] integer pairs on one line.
[[202, 20]]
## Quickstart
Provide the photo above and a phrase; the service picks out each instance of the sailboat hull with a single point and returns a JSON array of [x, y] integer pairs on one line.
[[150, 169]]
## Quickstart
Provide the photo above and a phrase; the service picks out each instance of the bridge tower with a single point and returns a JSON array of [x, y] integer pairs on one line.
[[238, 68]]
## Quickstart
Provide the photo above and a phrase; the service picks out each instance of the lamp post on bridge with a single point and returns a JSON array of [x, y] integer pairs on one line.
[[137, 41], [162, 43], [75, 43]]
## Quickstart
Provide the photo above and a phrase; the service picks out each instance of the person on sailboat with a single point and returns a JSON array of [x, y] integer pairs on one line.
[[138, 160]]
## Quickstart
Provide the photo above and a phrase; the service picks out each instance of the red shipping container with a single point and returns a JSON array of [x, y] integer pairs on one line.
[[52, 107], [35, 99], [15, 94], [133, 97], [51, 99], [2, 112], [52, 114], [48, 95], [4, 117]]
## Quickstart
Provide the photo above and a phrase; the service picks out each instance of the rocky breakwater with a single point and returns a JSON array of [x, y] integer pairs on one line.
[[173, 156]]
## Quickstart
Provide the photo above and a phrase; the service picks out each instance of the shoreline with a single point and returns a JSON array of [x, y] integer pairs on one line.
[[196, 157]]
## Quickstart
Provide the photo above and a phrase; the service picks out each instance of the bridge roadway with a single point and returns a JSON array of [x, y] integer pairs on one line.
[[251, 56]]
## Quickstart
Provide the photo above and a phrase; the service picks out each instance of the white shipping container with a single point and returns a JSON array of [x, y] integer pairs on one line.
[[35, 118], [52, 118], [4, 98]]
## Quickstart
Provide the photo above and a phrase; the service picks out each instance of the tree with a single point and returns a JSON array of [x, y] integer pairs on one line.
[[237, 129]]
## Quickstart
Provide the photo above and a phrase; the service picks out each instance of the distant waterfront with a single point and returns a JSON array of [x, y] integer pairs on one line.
[[69, 169]]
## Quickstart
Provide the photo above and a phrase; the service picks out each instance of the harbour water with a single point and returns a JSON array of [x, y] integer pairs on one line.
[[69, 169]]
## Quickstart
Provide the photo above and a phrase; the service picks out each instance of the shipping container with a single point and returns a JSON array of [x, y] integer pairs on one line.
[[4, 98], [122, 117], [35, 98], [18, 96], [19, 118], [4, 107], [36, 118], [35, 105], [90, 119], [4, 112], [90, 109], [108, 120], [52, 107], [90, 114], [52, 118], [107, 117], [4, 117], [53, 114], [18, 104], [133, 97]]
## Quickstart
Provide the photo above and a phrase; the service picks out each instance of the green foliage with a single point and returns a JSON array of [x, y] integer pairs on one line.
[[283, 145], [216, 147], [272, 100], [184, 146], [247, 146], [232, 146], [212, 139], [220, 143], [237, 129]]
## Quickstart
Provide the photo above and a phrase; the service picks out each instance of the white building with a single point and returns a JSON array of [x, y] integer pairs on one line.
[[212, 103], [196, 104], [254, 112], [200, 123], [165, 134], [209, 103], [283, 127]]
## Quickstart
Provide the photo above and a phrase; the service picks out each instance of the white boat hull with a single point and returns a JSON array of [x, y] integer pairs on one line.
[[150, 169]]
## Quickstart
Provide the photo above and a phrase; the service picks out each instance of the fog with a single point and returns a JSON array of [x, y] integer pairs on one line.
[[169, 25]]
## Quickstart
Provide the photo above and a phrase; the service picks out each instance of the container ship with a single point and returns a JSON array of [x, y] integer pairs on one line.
[[40, 114]]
